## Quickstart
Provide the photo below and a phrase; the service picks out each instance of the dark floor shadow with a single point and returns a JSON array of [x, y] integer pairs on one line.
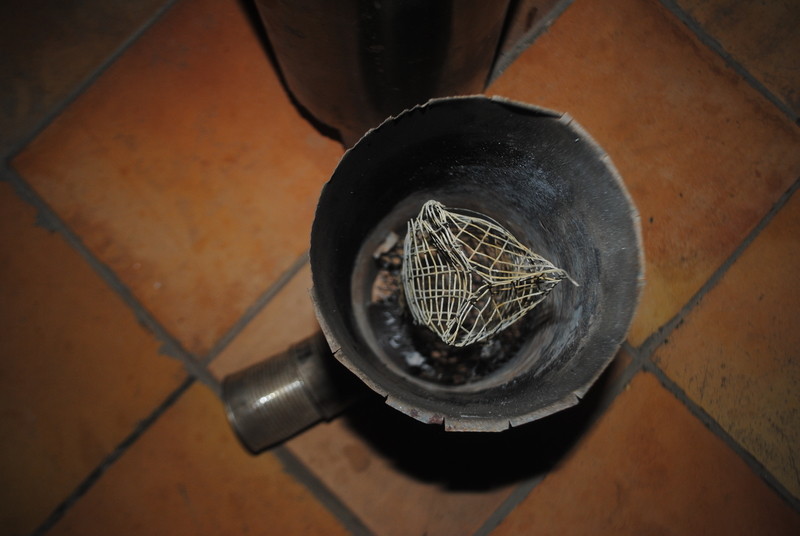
[[475, 461], [253, 17]]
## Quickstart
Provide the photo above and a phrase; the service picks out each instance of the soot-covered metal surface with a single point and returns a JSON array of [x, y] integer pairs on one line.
[[540, 176]]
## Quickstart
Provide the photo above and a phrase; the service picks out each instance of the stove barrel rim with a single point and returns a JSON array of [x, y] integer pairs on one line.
[[516, 144]]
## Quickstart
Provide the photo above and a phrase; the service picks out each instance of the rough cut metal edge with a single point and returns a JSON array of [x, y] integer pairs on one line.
[[439, 100], [465, 423], [337, 350]]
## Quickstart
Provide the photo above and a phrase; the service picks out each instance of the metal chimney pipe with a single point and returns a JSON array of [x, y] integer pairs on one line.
[[353, 63]]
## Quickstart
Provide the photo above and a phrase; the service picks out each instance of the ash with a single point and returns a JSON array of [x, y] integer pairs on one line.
[[418, 350]]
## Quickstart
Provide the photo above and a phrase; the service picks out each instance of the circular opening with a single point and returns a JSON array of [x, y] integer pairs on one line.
[[414, 351], [544, 180]]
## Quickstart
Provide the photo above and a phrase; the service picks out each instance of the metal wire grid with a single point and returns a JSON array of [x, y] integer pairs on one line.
[[466, 277]]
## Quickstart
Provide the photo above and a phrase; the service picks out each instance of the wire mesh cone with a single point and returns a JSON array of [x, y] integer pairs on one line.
[[467, 278]]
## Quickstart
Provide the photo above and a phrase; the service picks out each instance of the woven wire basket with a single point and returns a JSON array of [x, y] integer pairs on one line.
[[466, 277]]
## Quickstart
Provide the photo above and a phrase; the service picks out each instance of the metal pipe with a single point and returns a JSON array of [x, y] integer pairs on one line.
[[353, 63], [273, 400]]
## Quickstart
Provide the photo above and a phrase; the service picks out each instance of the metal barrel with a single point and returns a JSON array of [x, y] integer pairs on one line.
[[352, 63]]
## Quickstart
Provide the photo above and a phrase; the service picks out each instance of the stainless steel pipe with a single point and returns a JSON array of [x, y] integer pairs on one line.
[[281, 396]]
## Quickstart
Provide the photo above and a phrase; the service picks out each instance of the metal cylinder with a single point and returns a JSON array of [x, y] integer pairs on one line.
[[281, 396], [352, 63], [539, 175]]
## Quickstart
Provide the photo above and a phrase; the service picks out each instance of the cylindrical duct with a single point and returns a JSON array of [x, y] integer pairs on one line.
[[536, 173], [353, 63], [276, 398]]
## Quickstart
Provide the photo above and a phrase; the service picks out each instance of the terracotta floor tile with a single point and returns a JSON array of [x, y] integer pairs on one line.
[[761, 36], [617, 367], [650, 467], [702, 153], [737, 354], [286, 320], [525, 19], [187, 170], [391, 491], [50, 47], [189, 475], [78, 373]]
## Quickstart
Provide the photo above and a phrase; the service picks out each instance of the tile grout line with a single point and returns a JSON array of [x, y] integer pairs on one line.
[[256, 307], [16, 147], [661, 334], [170, 346], [715, 428], [708, 40], [505, 61], [636, 366], [302, 474], [521, 492], [518, 494], [92, 478]]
